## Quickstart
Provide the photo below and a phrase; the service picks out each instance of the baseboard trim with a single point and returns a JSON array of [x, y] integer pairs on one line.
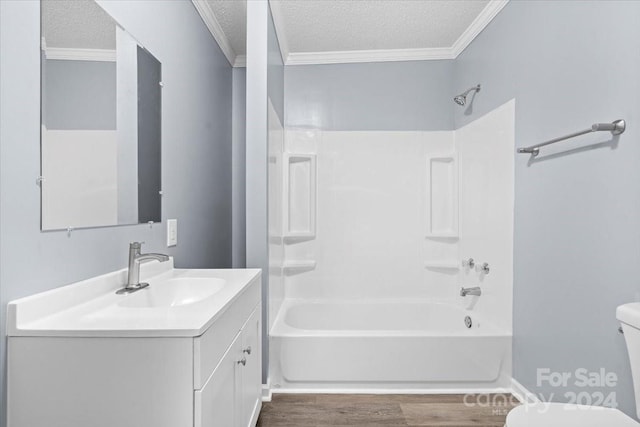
[[256, 414], [266, 392], [522, 393], [391, 390], [517, 389]]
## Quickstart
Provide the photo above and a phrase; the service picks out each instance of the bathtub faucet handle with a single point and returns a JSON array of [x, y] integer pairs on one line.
[[484, 268], [470, 263]]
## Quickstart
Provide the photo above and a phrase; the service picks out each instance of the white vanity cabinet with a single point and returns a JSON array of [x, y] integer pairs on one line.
[[232, 395], [66, 370]]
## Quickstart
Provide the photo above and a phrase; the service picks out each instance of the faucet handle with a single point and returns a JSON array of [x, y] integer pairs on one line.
[[474, 291], [134, 251], [484, 268], [470, 263]]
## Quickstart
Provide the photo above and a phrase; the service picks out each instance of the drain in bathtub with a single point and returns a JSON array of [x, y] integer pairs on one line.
[[467, 321]]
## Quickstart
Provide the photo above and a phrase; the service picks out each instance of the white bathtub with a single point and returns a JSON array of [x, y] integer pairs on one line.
[[386, 345]]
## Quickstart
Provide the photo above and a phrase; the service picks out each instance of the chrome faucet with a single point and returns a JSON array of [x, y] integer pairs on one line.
[[135, 257], [470, 291]]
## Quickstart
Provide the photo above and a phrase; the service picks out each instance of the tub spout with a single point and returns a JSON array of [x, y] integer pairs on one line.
[[470, 291]]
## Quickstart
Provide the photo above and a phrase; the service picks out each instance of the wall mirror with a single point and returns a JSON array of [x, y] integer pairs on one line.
[[100, 121]]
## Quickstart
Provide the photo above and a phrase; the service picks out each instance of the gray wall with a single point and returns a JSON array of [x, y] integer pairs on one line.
[[370, 96], [196, 173], [239, 167], [79, 95], [577, 214]]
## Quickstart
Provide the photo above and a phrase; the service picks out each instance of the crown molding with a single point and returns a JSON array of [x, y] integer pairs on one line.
[[72, 54], [278, 23], [240, 62], [380, 55], [209, 18], [354, 56], [482, 20]]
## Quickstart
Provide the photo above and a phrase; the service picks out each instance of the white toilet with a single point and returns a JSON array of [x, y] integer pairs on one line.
[[565, 415]]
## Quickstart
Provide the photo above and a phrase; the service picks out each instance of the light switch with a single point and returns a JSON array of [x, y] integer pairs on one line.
[[172, 232]]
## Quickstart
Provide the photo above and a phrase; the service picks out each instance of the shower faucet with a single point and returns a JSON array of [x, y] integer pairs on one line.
[[470, 291]]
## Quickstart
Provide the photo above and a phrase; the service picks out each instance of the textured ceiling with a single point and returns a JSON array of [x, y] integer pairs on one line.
[[78, 24], [335, 31], [348, 25], [232, 17]]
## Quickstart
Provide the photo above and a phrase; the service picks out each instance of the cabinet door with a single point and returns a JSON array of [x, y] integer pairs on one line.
[[251, 373], [216, 405]]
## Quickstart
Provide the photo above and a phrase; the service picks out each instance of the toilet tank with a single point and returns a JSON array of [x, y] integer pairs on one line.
[[629, 316]]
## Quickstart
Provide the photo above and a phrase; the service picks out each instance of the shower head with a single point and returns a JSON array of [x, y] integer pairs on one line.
[[462, 98]]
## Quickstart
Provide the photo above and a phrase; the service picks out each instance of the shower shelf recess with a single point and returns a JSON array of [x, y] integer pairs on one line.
[[443, 236], [291, 239], [442, 265], [293, 267], [442, 196], [299, 201]]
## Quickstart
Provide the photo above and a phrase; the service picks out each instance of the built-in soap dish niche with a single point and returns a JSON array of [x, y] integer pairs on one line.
[[299, 181], [442, 198]]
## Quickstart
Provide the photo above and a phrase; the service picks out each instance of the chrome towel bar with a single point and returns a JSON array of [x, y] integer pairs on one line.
[[616, 128]]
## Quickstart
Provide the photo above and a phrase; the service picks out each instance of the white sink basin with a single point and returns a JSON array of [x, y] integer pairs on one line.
[[174, 292], [178, 302]]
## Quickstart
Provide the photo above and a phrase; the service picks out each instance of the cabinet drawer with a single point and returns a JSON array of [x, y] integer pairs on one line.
[[209, 348]]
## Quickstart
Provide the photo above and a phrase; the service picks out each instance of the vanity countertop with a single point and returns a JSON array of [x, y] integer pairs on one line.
[[177, 303]]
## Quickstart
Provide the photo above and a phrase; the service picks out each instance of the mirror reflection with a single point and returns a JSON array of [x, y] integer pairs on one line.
[[101, 120]]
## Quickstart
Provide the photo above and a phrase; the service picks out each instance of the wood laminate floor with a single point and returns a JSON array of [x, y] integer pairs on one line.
[[433, 410]]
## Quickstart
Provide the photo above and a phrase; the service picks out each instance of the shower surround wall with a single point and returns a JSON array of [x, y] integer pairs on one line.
[[486, 169], [389, 231], [276, 245], [370, 217]]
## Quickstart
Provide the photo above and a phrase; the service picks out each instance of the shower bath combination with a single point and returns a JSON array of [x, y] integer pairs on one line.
[[462, 98], [390, 317]]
